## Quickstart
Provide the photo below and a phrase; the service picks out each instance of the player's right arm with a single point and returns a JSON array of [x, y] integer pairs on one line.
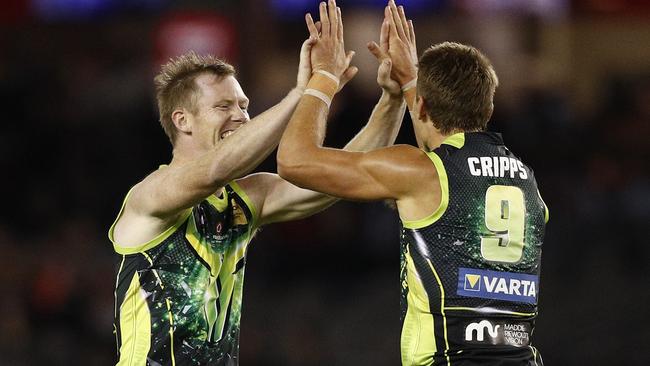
[[157, 201], [183, 184], [401, 173]]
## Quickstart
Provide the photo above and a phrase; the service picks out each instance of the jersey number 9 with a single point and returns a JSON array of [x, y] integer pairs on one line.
[[504, 218]]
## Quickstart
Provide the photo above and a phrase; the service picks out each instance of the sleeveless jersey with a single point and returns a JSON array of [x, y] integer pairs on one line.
[[178, 297], [470, 271]]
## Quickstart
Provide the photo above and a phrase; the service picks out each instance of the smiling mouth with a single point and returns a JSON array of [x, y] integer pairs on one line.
[[226, 134]]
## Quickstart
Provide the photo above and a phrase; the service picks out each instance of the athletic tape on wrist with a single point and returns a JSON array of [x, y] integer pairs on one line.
[[320, 95], [324, 84], [329, 75], [410, 85]]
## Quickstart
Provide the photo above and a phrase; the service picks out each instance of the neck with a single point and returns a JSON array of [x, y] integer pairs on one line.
[[435, 138], [184, 151], [180, 155]]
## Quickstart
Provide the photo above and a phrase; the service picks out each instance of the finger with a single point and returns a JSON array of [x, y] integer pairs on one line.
[[340, 18], [305, 52], [404, 22], [377, 51], [309, 42], [398, 23], [313, 31], [412, 30], [392, 28], [319, 26], [348, 57], [333, 18], [324, 19], [383, 74], [305, 49], [413, 39], [383, 36], [347, 75]]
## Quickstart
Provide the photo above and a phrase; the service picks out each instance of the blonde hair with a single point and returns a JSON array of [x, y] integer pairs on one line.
[[175, 86]]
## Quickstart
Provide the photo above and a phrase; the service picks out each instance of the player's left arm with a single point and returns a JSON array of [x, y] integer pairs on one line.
[[278, 200], [302, 160]]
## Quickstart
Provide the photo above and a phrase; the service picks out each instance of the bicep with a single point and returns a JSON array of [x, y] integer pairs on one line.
[[278, 200], [366, 176]]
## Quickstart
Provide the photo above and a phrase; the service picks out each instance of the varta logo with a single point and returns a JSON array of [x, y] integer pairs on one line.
[[479, 329], [472, 282], [497, 285]]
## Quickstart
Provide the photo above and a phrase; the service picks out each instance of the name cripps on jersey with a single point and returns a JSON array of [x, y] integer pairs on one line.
[[470, 271]]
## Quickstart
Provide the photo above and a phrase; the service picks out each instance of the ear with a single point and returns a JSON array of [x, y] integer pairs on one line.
[[421, 109], [181, 120]]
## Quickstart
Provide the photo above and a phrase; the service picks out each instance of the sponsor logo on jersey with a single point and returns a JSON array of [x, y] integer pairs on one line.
[[498, 333], [507, 286], [476, 331], [472, 282]]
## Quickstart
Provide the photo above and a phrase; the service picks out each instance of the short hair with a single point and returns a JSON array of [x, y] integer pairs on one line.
[[457, 83], [176, 87]]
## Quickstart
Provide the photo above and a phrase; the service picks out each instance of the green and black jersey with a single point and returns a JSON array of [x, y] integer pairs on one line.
[[470, 271], [178, 297]]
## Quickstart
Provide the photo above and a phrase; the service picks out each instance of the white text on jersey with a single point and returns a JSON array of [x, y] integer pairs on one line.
[[496, 166]]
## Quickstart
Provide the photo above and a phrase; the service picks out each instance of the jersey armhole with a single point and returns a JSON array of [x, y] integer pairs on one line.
[[111, 230], [149, 244], [251, 207], [444, 196], [546, 213]]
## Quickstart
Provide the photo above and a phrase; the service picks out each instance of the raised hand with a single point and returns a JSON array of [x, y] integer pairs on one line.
[[380, 51], [328, 53], [401, 44], [304, 67]]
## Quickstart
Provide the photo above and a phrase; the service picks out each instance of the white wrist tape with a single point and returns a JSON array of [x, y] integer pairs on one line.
[[410, 85], [320, 95], [329, 75]]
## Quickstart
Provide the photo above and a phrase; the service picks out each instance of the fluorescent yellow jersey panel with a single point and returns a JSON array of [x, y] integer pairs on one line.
[[178, 297], [470, 271]]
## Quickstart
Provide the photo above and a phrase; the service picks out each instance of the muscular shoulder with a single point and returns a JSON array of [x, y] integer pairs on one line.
[[408, 164], [133, 225]]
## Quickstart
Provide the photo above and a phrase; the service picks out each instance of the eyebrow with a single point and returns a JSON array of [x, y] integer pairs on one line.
[[231, 101]]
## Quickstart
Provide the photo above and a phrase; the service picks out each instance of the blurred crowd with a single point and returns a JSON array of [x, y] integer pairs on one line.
[[82, 128]]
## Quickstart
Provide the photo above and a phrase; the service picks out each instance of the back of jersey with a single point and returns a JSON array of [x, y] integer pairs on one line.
[[470, 271]]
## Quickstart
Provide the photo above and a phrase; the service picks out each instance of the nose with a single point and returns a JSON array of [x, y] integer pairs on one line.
[[240, 115]]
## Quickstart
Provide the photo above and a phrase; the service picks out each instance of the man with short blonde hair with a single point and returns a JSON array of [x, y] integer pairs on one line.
[[175, 84], [183, 231]]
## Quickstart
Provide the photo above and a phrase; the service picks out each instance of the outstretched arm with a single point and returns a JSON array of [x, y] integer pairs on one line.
[[183, 184], [303, 161], [279, 200]]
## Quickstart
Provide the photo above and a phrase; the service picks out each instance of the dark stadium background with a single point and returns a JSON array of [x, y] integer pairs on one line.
[[79, 128]]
